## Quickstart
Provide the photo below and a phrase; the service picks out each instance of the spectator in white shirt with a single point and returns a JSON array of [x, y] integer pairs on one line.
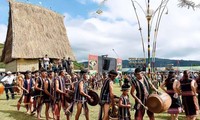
[[8, 80], [46, 62]]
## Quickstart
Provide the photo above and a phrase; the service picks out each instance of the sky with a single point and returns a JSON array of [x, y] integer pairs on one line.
[[115, 32]]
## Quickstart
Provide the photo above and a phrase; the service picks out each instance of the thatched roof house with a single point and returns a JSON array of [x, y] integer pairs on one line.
[[34, 31]]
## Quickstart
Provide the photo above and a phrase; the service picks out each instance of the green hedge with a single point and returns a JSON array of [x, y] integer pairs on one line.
[[2, 65]]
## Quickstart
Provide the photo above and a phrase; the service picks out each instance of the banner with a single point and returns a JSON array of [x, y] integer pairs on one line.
[[119, 64], [137, 61], [93, 63]]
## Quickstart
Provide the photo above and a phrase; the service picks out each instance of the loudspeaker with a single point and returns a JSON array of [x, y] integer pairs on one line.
[[106, 64]]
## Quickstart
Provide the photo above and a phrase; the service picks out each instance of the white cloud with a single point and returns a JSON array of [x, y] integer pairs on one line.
[[94, 36], [3, 31], [116, 28]]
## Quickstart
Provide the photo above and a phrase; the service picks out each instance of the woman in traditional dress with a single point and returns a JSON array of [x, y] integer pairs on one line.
[[171, 84]]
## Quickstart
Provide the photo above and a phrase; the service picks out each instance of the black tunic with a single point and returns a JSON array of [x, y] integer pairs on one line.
[[142, 91], [61, 83], [78, 97], [40, 85], [176, 102], [105, 92], [47, 98], [189, 101], [124, 113]]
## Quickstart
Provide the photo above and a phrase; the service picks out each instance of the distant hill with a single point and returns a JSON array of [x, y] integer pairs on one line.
[[125, 63], [159, 62]]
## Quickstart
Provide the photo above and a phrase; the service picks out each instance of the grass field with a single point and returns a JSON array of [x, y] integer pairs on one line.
[[8, 110]]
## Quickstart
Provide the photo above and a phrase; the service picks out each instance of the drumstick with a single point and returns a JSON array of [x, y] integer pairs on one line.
[[139, 101], [69, 107]]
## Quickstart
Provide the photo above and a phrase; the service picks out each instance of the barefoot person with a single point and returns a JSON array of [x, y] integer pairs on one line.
[[48, 96], [28, 84], [64, 103], [142, 87], [81, 95], [59, 94], [189, 96], [171, 83], [20, 81], [107, 95], [124, 104], [39, 87]]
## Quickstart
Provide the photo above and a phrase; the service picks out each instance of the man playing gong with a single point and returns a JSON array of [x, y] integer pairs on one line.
[[81, 95], [107, 95]]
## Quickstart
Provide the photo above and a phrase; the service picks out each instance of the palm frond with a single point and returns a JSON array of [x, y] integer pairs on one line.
[[186, 3], [198, 5]]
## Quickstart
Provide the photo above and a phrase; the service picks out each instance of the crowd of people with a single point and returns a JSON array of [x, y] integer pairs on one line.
[[56, 64], [60, 90], [52, 88]]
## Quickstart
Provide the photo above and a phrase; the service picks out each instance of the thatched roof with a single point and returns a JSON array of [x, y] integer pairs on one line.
[[34, 31]]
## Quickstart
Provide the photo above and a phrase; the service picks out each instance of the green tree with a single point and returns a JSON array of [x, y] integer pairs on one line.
[[78, 66]]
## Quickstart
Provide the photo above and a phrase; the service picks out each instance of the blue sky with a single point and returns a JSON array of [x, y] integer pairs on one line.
[[73, 7], [116, 29]]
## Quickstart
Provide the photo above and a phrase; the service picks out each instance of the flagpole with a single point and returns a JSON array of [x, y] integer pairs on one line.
[[148, 16]]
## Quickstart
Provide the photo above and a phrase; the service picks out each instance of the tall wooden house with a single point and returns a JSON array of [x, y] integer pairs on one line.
[[32, 32]]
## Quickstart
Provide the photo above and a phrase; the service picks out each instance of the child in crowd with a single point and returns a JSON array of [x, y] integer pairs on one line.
[[124, 104]]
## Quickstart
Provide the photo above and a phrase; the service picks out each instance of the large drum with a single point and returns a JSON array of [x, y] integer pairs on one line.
[[1, 88], [94, 96], [158, 103]]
